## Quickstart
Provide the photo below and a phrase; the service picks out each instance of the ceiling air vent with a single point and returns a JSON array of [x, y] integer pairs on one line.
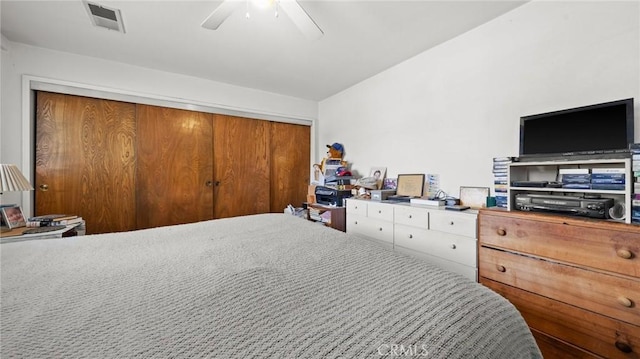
[[103, 16]]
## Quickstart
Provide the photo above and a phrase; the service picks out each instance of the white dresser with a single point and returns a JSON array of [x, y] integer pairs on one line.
[[445, 238]]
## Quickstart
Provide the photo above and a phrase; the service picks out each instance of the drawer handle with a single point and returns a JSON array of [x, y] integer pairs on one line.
[[356, 222], [379, 211], [453, 246], [624, 253], [501, 268], [410, 216], [380, 229], [410, 236], [624, 347], [625, 301], [451, 223], [502, 232]]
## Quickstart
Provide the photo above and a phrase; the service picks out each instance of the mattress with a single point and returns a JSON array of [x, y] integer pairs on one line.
[[261, 286]]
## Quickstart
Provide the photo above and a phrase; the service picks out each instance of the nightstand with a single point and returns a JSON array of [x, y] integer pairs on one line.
[[334, 217]]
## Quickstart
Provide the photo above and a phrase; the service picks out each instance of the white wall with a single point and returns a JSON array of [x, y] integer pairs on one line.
[[19, 59], [453, 108]]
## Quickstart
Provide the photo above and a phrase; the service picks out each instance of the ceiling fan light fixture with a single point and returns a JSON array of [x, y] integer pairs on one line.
[[262, 4], [291, 8]]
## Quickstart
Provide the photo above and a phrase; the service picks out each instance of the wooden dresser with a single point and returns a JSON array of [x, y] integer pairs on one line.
[[575, 281]]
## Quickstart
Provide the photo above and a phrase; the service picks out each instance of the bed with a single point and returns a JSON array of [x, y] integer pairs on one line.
[[261, 286]]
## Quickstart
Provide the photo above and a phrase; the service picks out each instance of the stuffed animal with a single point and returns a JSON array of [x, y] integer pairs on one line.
[[334, 159]]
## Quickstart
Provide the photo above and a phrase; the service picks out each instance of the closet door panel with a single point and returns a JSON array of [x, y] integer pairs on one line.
[[241, 152], [175, 166], [290, 164], [85, 160]]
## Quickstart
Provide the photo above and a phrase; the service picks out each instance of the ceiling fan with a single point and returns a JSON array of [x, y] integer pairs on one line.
[[296, 13]]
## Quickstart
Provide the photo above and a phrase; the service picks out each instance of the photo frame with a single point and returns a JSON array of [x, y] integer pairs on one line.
[[390, 183], [13, 217], [379, 174], [411, 185], [474, 197]]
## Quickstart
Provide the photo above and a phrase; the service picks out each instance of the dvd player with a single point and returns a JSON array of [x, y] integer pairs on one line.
[[571, 205]]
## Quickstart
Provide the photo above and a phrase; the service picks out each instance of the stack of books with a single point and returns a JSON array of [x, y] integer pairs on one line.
[[500, 179], [635, 197], [575, 178], [54, 220], [609, 179]]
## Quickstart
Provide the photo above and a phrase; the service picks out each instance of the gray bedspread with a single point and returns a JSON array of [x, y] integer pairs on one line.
[[264, 286]]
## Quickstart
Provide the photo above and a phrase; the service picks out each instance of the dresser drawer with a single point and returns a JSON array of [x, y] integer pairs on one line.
[[411, 216], [451, 247], [455, 267], [596, 333], [552, 348], [376, 229], [454, 223], [356, 207], [614, 296], [614, 247], [380, 211]]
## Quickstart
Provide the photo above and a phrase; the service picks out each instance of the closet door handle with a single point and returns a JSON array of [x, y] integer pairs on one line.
[[209, 183], [44, 187]]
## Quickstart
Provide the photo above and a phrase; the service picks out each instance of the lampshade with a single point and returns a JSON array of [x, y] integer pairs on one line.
[[11, 179]]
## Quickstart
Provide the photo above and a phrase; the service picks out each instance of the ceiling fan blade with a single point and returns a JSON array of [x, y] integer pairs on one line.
[[221, 13], [301, 19]]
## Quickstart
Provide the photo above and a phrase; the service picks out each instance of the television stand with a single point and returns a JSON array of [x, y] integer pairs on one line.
[[521, 173]]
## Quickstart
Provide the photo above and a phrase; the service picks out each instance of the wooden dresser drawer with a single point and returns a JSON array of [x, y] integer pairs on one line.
[[611, 295], [612, 247], [552, 348], [380, 211], [451, 247], [356, 207], [593, 332], [412, 216], [454, 223]]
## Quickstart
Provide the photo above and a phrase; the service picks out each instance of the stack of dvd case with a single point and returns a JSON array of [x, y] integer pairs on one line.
[[609, 179], [500, 179], [635, 197], [575, 178]]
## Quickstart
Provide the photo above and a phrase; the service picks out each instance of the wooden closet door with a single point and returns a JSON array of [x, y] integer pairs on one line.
[[241, 166], [290, 164], [175, 166], [85, 160]]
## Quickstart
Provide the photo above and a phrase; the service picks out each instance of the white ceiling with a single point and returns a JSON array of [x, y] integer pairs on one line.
[[361, 38]]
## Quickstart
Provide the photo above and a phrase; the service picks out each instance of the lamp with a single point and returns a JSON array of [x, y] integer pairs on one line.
[[12, 180]]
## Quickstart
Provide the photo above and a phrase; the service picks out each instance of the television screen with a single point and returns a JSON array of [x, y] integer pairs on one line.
[[601, 128]]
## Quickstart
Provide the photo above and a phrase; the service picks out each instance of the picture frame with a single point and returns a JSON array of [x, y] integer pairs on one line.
[[379, 174], [474, 197], [411, 185], [390, 183], [13, 217]]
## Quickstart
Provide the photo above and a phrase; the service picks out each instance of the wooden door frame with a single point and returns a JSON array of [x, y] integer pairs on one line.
[[31, 84]]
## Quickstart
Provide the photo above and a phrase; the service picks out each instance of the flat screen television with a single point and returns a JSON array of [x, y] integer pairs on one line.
[[605, 128]]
